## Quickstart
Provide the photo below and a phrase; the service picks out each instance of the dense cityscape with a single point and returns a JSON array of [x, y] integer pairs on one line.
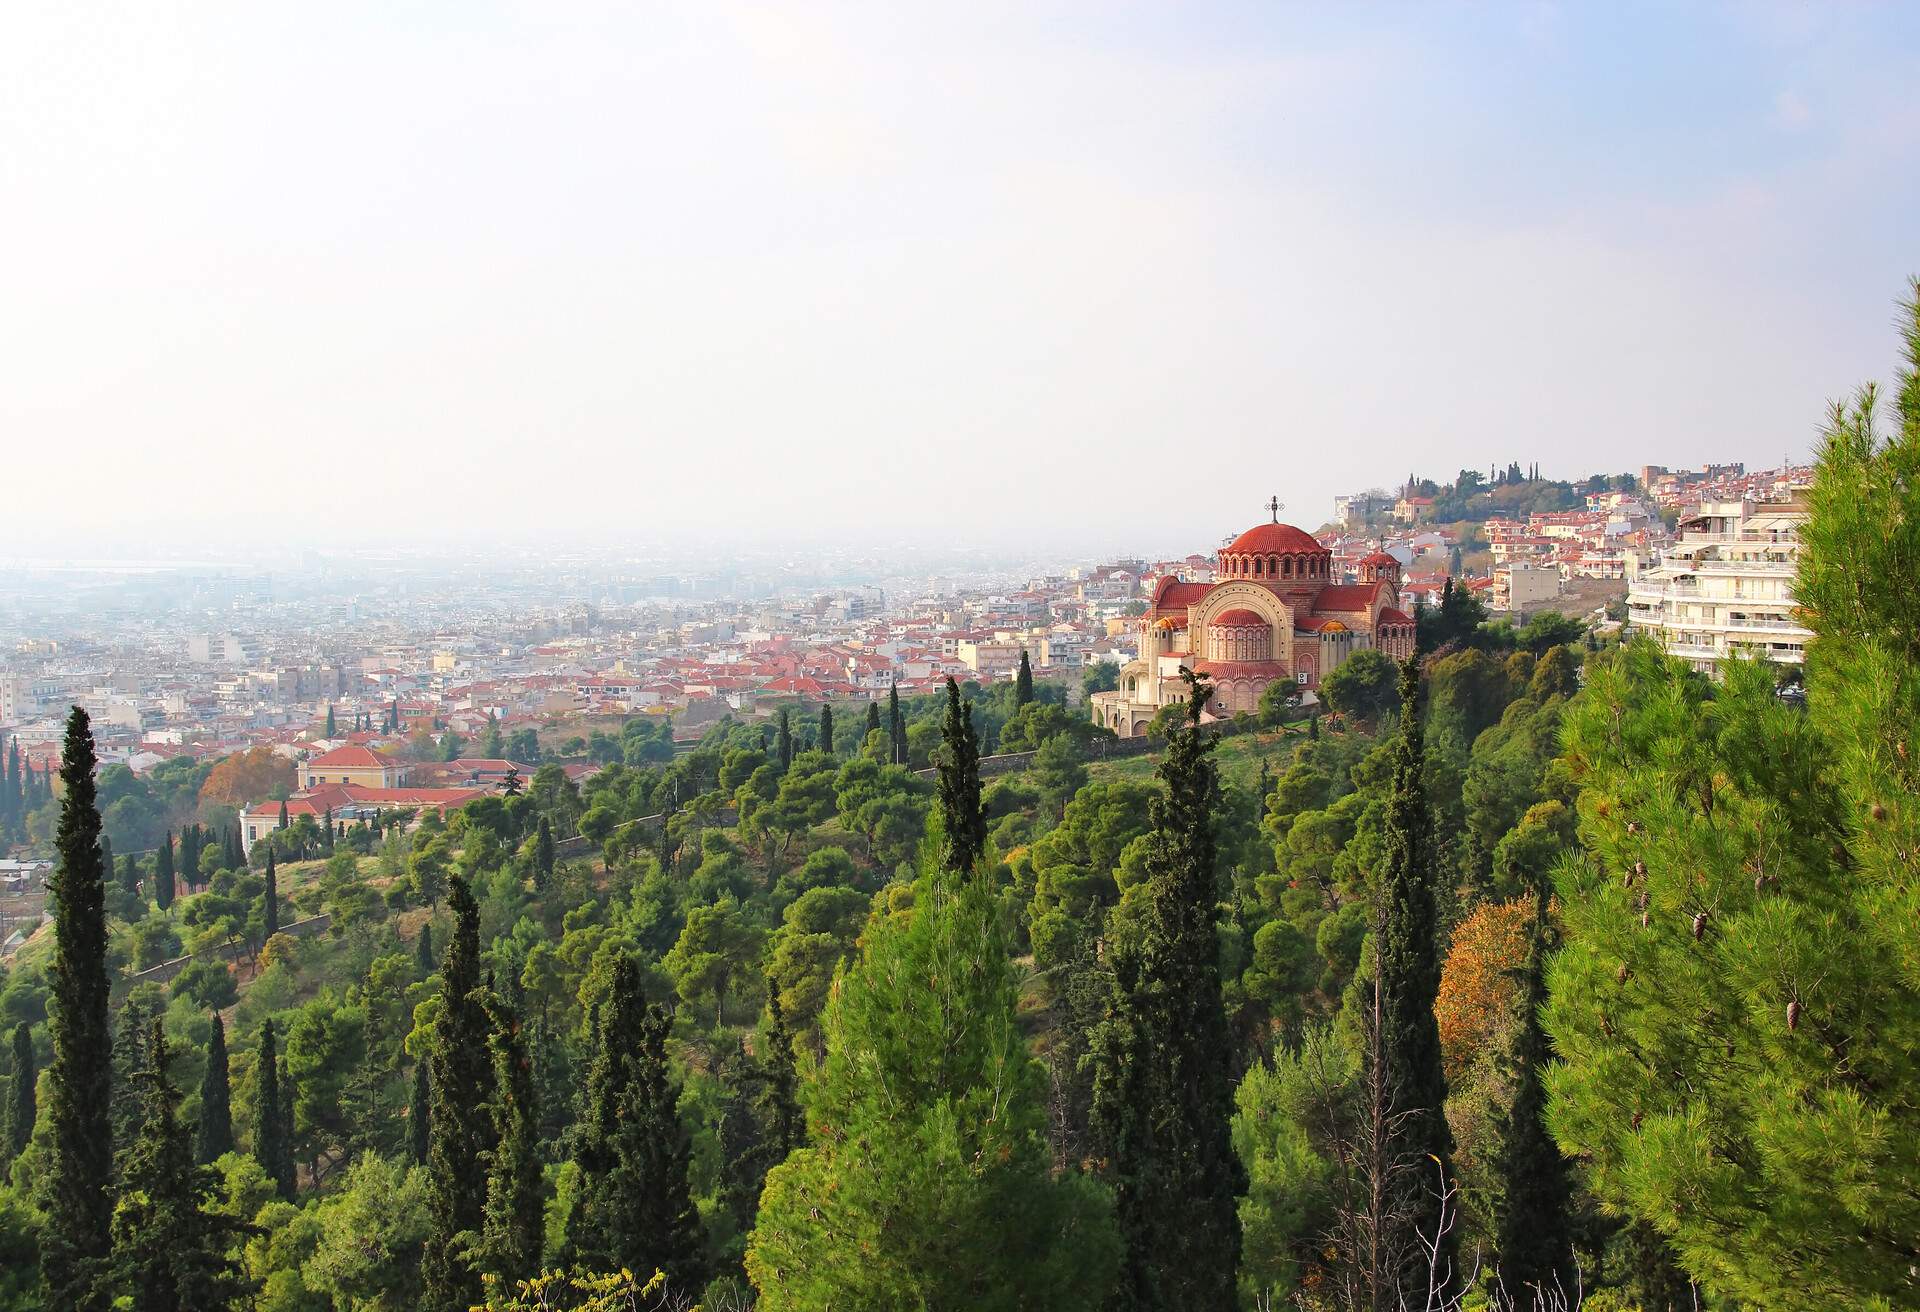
[[989, 658]]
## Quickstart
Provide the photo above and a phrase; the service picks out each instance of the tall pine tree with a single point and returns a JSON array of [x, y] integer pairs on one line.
[[873, 720], [215, 1136], [75, 1243], [826, 730], [460, 1128], [1412, 1079], [18, 1125], [1736, 1010], [1023, 682], [927, 1182], [1163, 1085], [272, 1133], [171, 1247], [785, 741], [896, 727], [633, 1207]]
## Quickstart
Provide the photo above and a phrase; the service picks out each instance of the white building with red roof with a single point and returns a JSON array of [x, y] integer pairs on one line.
[[347, 804], [1271, 612]]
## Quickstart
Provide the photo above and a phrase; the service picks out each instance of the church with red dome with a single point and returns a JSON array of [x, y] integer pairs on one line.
[[1273, 611]]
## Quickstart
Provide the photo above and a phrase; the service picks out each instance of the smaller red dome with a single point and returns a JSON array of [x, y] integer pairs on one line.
[[1379, 559], [1236, 618]]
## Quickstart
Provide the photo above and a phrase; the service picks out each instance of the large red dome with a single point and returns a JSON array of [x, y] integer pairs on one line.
[[1275, 540]]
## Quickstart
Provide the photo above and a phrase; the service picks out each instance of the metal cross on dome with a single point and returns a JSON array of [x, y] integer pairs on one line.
[[1275, 505]]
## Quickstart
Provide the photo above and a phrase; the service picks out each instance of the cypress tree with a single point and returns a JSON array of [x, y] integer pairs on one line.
[[20, 1094], [75, 1241], [420, 1114], [283, 814], [786, 741], [1535, 1239], [130, 1041], [896, 727], [170, 1249], [963, 819], [1413, 1081], [873, 720], [460, 1132], [326, 837], [826, 730], [270, 901], [106, 856], [761, 1123], [512, 1231], [1023, 682], [331, 730], [287, 1127], [543, 856], [1163, 1084], [272, 1135], [786, 1123], [215, 1137], [423, 952], [163, 885], [10, 807], [634, 1207], [190, 856]]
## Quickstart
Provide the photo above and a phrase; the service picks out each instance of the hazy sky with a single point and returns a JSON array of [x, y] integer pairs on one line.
[[1103, 275]]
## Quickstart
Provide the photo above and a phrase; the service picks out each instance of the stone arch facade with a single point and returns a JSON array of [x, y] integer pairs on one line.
[[1241, 595]]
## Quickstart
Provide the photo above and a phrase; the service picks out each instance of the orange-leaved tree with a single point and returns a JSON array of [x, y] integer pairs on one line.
[[247, 777]]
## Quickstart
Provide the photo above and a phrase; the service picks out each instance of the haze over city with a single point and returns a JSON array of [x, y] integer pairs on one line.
[[1065, 276]]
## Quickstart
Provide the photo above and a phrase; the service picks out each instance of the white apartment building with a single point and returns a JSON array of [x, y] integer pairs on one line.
[[1519, 587], [1725, 584]]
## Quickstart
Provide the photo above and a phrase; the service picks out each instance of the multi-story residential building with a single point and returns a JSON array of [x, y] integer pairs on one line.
[[1519, 587], [1725, 584]]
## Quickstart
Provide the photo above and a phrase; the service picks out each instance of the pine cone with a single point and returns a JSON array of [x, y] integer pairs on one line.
[[1621, 974], [1700, 925], [1633, 826], [1793, 1015], [1877, 811]]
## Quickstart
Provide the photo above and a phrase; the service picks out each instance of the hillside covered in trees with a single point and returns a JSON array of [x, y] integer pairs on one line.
[[1539, 973]]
